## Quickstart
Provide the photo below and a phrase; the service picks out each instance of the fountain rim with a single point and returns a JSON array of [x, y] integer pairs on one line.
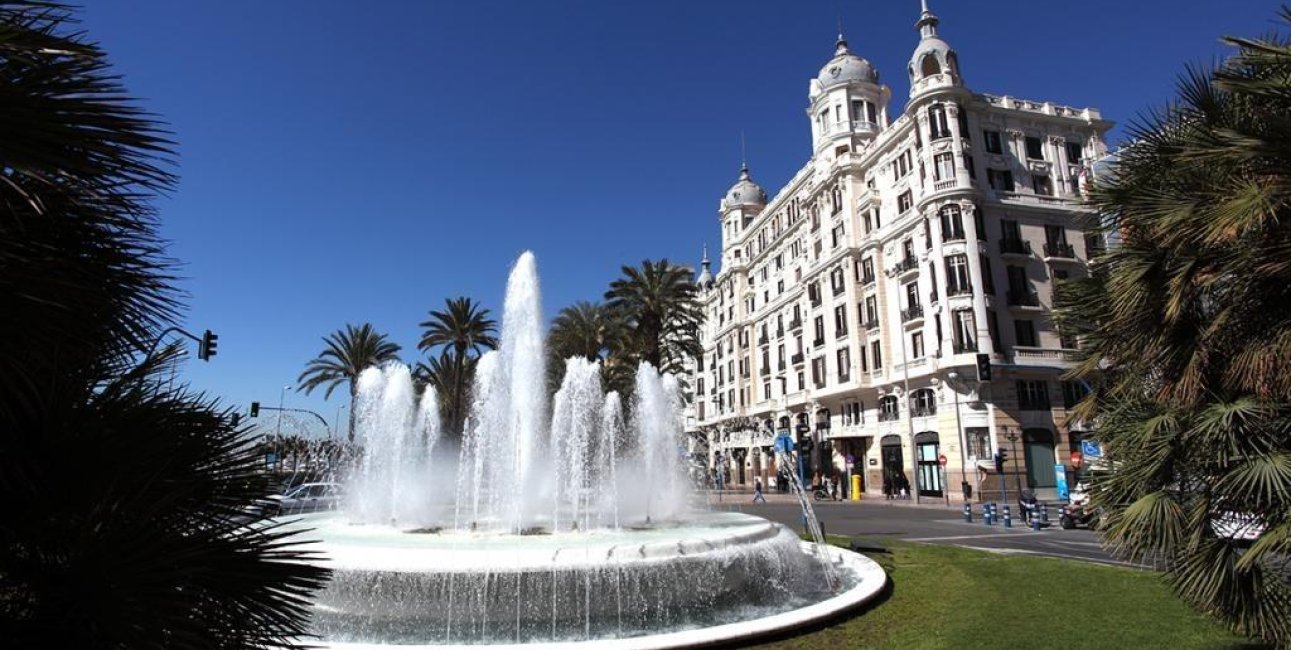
[[871, 579]]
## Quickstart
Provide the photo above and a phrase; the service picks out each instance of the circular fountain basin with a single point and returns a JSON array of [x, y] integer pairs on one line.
[[718, 577]]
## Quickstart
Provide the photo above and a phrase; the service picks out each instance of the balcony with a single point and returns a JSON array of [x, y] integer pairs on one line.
[[913, 313], [953, 290], [839, 289], [796, 359], [766, 370], [1060, 250], [795, 324], [906, 265], [871, 324], [889, 416], [1033, 356], [933, 298], [1015, 246], [843, 377], [763, 340], [818, 342], [923, 411], [779, 333], [963, 347], [953, 235], [867, 279], [1023, 298]]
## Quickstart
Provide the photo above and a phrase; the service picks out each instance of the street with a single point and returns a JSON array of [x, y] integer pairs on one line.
[[932, 525]]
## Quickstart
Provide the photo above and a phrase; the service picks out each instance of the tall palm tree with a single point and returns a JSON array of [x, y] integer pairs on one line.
[[591, 330], [462, 331], [659, 301], [1186, 327], [143, 548], [346, 354]]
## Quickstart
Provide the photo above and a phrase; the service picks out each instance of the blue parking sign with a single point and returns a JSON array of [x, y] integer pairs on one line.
[[1090, 448], [783, 443]]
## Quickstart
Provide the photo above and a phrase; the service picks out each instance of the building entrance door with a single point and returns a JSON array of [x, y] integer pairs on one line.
[[1040, 459], [929, 469], [893, 465]]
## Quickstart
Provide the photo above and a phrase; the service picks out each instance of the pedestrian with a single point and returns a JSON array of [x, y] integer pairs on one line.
[[757, 492], [833, 488], [887, 486]]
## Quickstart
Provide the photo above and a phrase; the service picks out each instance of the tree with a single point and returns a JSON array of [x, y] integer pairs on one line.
[[596, 332], [659, 303], [346, 354], [1186, 329], [461, 333], [119, 494]]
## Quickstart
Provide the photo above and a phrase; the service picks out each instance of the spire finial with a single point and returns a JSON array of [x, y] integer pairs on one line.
[[704, 260], [838, 10], [927, 24], [744, 159]]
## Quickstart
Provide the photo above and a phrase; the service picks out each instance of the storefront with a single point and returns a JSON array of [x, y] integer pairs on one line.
[[893, 464], [927, 448]]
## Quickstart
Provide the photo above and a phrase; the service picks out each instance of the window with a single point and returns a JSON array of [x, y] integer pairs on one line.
[[853, 413], [957, 278], [866, 222], [819, 324], [1024, 332], [766, 390], [818, 372], [938, 126], [889, 409], [916, 346], [780, 357], [912, 295], [1075, 152], [871, 313], [1000, 179], [968, 164], [844, 365], [1072, 393], [903, 164], [867, 270], [813, 293], [1035, 148], [836, 200], [838, 280], [979, 442], [993, 327], [836, 235], [905, 201], [870, 112], [1019, 286], [1041, 184], [1033, 395], [965, 331], [876, 354], [840, 320], [943, 164], [952, 223], [993, 143], [907, 251], [923, 402]]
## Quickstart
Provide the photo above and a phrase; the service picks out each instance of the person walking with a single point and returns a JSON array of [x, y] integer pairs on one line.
[[757, 492]]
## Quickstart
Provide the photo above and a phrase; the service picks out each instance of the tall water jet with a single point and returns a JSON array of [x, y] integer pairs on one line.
[[394, 438], [611, 435], [576, 419]]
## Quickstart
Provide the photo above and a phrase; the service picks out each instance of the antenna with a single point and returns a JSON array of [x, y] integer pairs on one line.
[[744, 160], [838, 11]]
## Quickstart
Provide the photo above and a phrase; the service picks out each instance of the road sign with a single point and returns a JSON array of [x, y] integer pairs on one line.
[[784, 443], [1091, 448], [851, 460], [1076, 458], [941, 460]]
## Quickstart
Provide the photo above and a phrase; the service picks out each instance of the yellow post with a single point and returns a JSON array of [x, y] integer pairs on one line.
[[856, 487]]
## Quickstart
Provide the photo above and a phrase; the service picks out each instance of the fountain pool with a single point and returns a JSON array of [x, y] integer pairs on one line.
[[561, 522]]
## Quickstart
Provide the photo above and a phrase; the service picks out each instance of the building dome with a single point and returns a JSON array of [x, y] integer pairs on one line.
[[846, 67], [744, 192]]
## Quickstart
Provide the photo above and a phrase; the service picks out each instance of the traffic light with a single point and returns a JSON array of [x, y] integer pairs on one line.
[[255, 409], [983, 367], [237, 419], [1001, 457], [206, 347]]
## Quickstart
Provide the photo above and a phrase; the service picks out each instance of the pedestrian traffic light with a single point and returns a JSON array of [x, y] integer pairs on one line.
[[206, 347], [1001, 457], [255, 409], [983, 367]]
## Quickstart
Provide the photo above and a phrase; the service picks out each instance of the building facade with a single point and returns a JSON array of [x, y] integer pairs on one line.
[[851, 307]]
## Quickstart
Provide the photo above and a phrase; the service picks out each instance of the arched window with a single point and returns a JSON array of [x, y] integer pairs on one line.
[[923, 402], [929, 65], [889, 409], [836, 198], [938, 127]]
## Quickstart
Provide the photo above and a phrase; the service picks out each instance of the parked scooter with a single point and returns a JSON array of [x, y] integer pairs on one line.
[[821, 493], [1078, 512]]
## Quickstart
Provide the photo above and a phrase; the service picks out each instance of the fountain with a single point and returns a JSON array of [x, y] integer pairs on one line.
[[551, 525]]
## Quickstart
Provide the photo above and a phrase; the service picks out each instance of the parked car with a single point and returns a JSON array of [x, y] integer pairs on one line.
[[307, 497]]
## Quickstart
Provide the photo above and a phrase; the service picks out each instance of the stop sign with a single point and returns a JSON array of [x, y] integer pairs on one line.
[[1076, 458], [941, 460]]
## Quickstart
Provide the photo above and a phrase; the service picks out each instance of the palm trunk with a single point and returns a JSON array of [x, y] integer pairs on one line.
[[353, 398]]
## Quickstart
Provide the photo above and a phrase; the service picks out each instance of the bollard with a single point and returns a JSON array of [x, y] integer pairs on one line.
[[968, 512], [988, 514], [1044, 513], [1035, 518], [1008, 517]]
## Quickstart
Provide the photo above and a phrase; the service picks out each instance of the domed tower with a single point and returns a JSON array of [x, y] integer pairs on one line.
[[848, 105], [705, 278], [739, 206], [934, 64]]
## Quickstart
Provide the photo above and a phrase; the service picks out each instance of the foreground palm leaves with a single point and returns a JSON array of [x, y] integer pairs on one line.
[[1187, 334], [120, 497]]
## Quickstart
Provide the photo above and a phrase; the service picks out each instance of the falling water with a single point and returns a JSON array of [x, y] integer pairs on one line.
[[397, 441], [576, 418], [611, 434]]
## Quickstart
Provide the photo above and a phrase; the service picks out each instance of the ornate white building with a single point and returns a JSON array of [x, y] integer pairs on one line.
[[856, 300]]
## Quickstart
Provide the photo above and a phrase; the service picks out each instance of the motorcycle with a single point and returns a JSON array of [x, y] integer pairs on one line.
[[821, 493], [1078, 514]]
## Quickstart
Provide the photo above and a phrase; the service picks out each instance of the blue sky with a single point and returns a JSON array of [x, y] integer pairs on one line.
[[348, 162]]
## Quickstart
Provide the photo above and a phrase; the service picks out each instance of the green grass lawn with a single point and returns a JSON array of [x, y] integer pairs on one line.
[[947, 597]]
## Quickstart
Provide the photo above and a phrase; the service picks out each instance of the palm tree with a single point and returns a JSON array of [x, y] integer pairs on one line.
[[659, 301], [441, 374], [462, 332], [1186, 327], [346, 354], [142, 548], [591, 330]]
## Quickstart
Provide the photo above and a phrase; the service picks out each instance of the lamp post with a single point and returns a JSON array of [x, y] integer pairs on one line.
[[277, 433], [1012, 438]]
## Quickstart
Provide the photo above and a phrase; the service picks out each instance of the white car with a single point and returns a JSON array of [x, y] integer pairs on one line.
[[306, 497]]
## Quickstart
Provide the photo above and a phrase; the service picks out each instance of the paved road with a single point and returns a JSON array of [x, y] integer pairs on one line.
[[933, 526]]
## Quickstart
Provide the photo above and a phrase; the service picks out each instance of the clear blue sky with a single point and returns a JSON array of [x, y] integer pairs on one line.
[[361, 161]]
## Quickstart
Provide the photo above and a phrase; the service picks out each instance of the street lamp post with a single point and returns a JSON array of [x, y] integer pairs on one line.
[[277, 434], [1013, 437]]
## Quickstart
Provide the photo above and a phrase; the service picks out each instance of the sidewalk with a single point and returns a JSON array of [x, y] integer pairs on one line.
[[744, 494]]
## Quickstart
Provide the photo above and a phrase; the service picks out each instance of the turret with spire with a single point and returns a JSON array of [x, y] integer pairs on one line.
[[705, 279], [934, 64]]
